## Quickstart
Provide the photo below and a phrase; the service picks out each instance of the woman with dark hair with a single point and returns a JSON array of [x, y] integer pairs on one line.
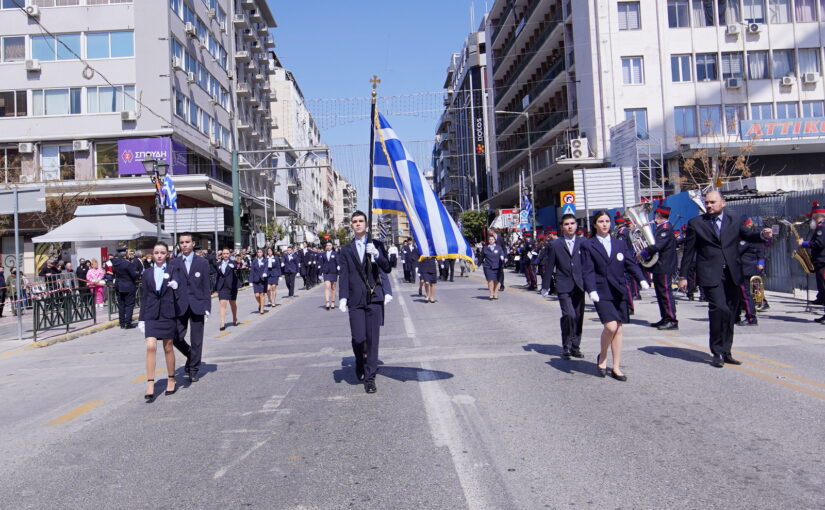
[[273, 270], [157, 318], [258, 276], [604, 263], [227, 283], [429, 277], [492, 260]]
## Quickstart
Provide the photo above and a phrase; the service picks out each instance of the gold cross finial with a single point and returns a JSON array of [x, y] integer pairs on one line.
[[375, 80]]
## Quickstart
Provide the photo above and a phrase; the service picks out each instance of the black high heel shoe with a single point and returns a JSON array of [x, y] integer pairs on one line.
[[618, 377], [602, 372], [148, 397], [172, 392]]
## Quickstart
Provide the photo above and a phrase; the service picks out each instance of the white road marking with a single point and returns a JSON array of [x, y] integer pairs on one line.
[[222, 471]]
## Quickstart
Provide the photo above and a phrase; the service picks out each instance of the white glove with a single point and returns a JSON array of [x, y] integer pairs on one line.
[[173, 284], [342, 305], [372, 250], [545, 292], [594, 296], [387, 299], [142, 326], [644, 285], [263, 275]]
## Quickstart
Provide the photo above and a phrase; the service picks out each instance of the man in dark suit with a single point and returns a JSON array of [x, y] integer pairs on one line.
[[663, 269], [563, 257], [405, 252], [412, 258], [126, 279], [190, 280], [712, 241], [362, 294], [291, 265], [502, 245]]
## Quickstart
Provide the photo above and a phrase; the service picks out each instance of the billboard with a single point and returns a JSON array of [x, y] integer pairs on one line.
[[769, 129], [132, 151]]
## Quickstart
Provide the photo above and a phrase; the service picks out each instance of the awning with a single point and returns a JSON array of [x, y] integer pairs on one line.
[[112, 222]]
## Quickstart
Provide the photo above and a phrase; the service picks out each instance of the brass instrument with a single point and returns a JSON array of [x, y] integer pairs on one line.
[[800, 254], [756, 286], [641, 232], [698, 199]]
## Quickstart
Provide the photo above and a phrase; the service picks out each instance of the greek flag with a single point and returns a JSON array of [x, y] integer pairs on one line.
[[170, 196], [400, 187], [527, 208]]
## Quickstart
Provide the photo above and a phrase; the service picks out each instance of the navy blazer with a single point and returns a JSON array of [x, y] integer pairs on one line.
[[229, 279], [351, 286], [290, 265], [258, 270], [817, 245], [156, 305], [567, 266], [606, 273], [329, 266], [273, 267], [751, 255], [126, 275], [666, 248], [491, 257], [193, 288]]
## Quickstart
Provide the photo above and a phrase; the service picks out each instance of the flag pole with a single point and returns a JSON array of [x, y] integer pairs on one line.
[[374, 81]]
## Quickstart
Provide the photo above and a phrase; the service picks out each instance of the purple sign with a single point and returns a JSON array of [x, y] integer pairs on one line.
[[131, 151]]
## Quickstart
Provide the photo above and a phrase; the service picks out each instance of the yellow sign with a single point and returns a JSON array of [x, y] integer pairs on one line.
[[568, 197]]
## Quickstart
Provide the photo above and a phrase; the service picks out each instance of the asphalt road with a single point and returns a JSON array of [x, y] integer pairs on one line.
[[475, 409]]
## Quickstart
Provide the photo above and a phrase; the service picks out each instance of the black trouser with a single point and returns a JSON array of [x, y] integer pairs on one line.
[[501, 275], [723, 302], [365, 326], [2, 301], [194, 348], [125, 307], [451, 268], [746, 304], [664, 296], [572, 318], [406, 273], [413, 269], [819, 276], [530, 275], [290, 283]]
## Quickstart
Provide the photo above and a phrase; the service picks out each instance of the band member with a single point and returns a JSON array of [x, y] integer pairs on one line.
[[502, 246], [258, 276], [362, 296], [817, 246], [227, 284], [290, 265], [429, 277], [273, 274], [126, 281], [752, 260], [190, 278], [664, 268], [604, 263], [712, 241], [492, 260], [563, 258], [329, 268], [157, 319]]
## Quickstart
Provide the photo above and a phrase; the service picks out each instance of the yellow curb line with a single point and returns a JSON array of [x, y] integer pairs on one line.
[[74, 413]]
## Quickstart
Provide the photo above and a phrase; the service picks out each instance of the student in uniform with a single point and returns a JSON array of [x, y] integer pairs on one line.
[[258, 277], [126, 280], [429, 277], [329, 270], [273, 274], [227, 284], [290, 264], [492, 260], [604, 263]]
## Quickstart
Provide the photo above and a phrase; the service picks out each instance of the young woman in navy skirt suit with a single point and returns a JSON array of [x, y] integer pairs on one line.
[[492, 260], [157, 318], [429, 276], [258, 277], [227, 283], [605, 261], [273, 274]]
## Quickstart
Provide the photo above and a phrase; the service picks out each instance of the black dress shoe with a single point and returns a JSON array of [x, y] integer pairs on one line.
[[657, 324], [717, 361], [730, 360], [359, 372], [817, 302], [601, 372], [565, 354], [193, 376], [171, 392], [576, 353], [668, 326], [618, 377], [223, 328], [149, 397], [369, 387], [820, 320]]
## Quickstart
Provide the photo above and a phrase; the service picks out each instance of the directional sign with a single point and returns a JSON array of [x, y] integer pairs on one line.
[[568, 197], [568, 209]]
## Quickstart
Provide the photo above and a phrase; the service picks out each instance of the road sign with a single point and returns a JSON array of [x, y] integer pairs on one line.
[[568, 209], [29, 200], [568, 197]]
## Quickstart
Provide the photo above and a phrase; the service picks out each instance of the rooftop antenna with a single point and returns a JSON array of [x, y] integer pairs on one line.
[[472, 16]]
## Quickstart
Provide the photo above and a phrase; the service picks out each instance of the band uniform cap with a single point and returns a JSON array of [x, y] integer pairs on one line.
[[817, 209], [663, 210]]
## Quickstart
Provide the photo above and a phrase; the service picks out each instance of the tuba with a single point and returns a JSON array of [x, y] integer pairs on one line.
[[641, 233], [757, 290], [800, 254], [698, 199]]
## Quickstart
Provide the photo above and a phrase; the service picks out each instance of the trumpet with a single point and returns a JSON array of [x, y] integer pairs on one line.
[[757, 290], [800, 254], [641, 233]]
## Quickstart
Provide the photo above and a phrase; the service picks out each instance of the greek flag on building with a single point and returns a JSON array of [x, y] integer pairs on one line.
[[400, 187], [170, 196]]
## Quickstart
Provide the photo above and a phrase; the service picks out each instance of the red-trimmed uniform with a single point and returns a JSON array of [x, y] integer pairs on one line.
[[664, 268], [816, 243]]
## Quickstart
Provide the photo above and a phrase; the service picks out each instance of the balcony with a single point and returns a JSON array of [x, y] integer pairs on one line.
[[253, 100], [259, 78], [243, 126], [248, 4], [242, 89], [256, 16], [242, 56], [531, 53], [548, 78], [248, 35], [240, 21], [263, 30], [497, 32], [273, 96], [552, 120]]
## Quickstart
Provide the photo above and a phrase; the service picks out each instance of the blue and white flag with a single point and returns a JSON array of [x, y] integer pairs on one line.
[[400, 187], [170, 196], [526, 211]]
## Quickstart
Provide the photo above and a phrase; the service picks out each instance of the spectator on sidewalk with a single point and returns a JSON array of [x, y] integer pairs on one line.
[[97, 281], [2, 289]]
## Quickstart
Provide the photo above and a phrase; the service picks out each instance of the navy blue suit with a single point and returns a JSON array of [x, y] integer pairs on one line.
[[502, 245], [256, 275], [329, 268], [492, 260], [126, 280], [567, 267], [366, 309], [157, 307], [663, 270], [227, 282], [273, 269], [194, 300], [606, 274], [290, 264]]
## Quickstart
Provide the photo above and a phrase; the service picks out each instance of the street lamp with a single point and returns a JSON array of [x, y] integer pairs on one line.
[[530, 165], [453, 201], [156, 171]]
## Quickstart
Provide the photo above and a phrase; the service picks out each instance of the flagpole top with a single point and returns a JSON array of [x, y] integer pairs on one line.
[[375, 80]]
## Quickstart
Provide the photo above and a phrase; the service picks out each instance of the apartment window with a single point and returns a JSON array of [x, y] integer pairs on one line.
[[787, 110], [194, 116], [783, 63], [106, 160], [729, 13], [62, 47], [10, 164], [188, 14], [200, 30], [732, 65], [176, 49], [808, 60], [630, 17], [805, 11], [685, 119], [813, 109], [710, 120], [57, 162], [758, 65], [734, 114], [754, 11], [680, 68], [12, 4], [640, 116], [63, 3], [13, 103], [14, 49], [780, 11], [110, 99], [678, 13], [180, 104], [206, 123], [706, 67], [633, 70], [110, 44], [703, 13], [105, 2], [761, 111], [56, 101]]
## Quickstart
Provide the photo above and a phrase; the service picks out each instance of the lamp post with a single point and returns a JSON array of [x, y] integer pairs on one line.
[[530, 166], [156, 171]]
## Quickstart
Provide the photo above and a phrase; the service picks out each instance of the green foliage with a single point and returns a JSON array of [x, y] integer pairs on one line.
[[473, 222]]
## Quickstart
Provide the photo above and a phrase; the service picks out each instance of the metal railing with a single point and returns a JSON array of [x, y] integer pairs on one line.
[[111, 300], [58, 310]]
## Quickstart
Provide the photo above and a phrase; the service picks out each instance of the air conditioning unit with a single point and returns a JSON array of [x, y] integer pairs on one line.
[[212, 13], [80, 145], [33, 11], [33, 65], [223, 26], [810, 78], [579, 148], [213, 141], [26, 179], [230, 75], [25, 148], [788, 81], [177, 64], [732, 30], [190, 77], [190, 29], [128, 116], [213, 101], [733, 83], [754, 28]]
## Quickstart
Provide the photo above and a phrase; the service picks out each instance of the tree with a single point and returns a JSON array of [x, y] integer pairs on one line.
[[473, 222]]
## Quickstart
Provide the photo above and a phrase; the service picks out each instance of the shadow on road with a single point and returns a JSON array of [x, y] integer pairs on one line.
[[787, 318], [403, 374], [560, 364], [677, 353]]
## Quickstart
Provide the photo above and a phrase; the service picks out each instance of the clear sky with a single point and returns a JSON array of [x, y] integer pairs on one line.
[[334, 47]]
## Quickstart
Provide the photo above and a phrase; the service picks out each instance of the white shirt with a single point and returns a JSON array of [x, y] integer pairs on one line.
[[361, 245], [605, 240], [570, 242], [158, 274], [187, 261]]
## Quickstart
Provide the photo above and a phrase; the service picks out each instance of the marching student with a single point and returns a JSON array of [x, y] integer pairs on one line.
[[429, 277], [664, 268], [290, 264], [329, 270], [604, 263], [258, 277], [492, 260], [227, 284], [273, 271]]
